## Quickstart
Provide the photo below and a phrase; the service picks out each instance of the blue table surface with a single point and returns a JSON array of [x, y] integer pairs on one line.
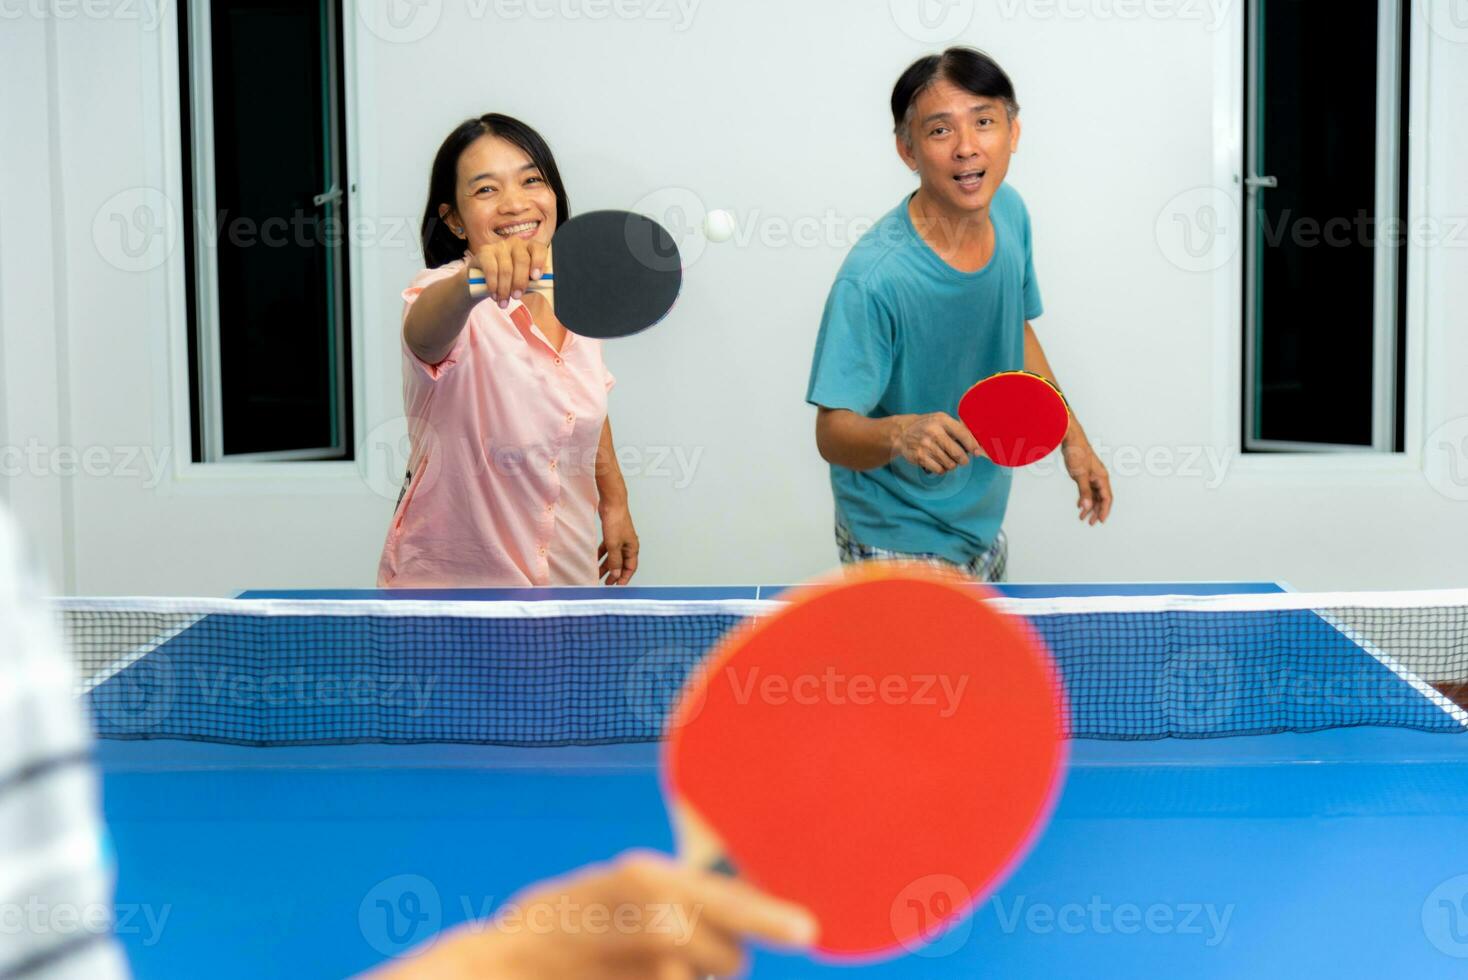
[[1341, 853]]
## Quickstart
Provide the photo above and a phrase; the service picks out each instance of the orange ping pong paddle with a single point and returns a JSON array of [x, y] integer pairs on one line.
[[883, 750]]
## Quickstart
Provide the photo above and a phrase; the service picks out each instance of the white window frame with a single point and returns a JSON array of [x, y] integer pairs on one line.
[[206, 271], [163, 124], [1423, 392]]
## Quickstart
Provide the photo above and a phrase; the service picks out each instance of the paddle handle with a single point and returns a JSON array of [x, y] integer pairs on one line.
[[545, 285], [698, 845]]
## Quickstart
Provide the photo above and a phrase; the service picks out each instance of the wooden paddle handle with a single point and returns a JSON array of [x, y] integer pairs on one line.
[[698, 845]]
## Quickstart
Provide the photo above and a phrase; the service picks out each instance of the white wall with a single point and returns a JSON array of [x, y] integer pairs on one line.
[[32, 401], [776, 111]]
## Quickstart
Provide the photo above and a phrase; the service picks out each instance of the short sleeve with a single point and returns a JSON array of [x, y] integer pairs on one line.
[[421, 282], [854, 350], [1033, 305]]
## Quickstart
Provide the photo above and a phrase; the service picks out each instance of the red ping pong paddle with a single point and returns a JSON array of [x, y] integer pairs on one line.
[[883, 751], [1017, 417], [609, 273]]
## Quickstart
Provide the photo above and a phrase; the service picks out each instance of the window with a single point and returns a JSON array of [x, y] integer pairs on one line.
[[1325, 158], [269, 327]]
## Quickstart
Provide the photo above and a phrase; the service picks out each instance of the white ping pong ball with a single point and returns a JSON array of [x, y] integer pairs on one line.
[[718, 226]]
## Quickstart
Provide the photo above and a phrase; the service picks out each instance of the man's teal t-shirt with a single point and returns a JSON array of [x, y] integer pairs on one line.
[[905, 333]]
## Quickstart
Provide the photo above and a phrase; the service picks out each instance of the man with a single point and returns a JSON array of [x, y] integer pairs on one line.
[[935, 297]]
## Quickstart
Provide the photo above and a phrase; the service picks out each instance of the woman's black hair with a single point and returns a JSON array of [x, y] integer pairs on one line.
[[968, 68], [440, 245]]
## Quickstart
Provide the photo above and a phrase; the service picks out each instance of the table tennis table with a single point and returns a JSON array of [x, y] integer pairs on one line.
[[1338, 853]]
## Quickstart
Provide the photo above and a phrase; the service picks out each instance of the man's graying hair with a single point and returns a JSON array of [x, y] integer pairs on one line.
[[968, 68]]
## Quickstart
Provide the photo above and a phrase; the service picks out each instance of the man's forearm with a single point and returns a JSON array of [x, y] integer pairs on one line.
[[1037, 363], [1035, 360], [855, 441]]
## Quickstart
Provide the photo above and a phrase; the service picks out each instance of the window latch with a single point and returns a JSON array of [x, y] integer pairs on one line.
[[329, 196]]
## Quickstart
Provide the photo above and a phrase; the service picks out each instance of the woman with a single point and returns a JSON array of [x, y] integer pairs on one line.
[[512, 478]]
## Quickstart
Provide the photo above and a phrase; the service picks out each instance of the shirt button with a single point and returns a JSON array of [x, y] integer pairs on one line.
[[550, 508], [552, 464], [558, 362], [570, 418], [541, 551]]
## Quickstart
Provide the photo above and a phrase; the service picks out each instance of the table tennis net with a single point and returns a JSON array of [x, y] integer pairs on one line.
[[588, 672]]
